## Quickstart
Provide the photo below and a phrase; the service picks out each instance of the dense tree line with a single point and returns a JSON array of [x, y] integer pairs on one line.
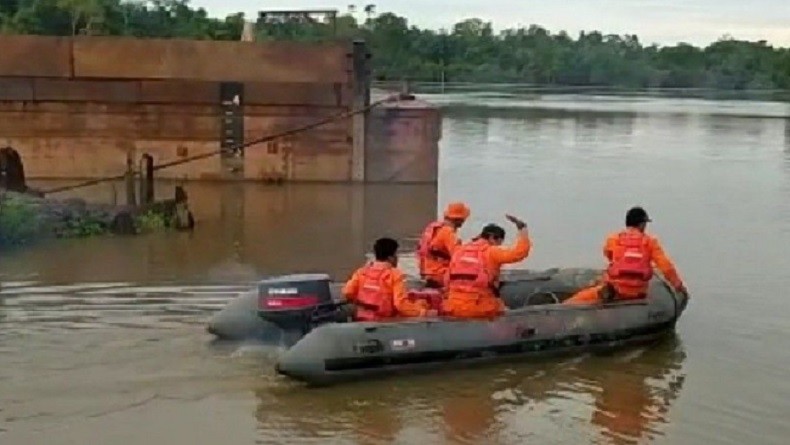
[[470, 52]]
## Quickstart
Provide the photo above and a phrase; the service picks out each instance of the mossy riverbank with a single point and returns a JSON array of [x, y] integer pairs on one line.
[[28, 219]]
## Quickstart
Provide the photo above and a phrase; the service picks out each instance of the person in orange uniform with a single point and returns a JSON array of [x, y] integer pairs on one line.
[[473, 274], [378, 289], [631, 254], [437, 243]]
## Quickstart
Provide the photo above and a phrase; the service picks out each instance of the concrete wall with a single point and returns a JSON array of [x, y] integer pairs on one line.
[[77, 107], [403, 143]]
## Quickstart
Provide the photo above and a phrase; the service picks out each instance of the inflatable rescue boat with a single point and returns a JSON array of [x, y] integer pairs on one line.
[[306, 314]]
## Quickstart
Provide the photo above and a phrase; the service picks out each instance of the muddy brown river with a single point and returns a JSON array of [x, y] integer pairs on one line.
[[102, 341]]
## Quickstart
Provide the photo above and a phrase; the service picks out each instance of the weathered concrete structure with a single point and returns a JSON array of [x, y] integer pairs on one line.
[[77, 108], [402, 143]]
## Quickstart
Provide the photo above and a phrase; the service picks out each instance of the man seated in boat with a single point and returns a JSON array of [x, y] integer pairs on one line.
[[378, 289], [631, 254], [473, 274], [438, 242]]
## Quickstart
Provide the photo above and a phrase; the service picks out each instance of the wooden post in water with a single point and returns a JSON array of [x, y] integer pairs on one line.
[[131, 199], [361, 100], [146, 179], [113, 194], [405, 88]]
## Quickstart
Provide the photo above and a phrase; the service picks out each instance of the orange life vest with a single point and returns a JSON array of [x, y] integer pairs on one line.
[[424, 250], [631, 271], [374, 299], [468, 270]]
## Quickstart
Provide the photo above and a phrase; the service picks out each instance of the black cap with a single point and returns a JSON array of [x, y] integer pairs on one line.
[[636, 216]]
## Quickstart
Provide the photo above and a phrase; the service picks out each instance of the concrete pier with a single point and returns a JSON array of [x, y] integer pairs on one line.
[[83, 105]]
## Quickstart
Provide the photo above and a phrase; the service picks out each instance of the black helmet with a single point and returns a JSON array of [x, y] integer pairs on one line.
[[636, 216]]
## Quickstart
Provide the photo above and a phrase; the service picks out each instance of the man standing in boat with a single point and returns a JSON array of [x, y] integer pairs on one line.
[[438, 242], [631, 254], [378, 289], [473, 273]]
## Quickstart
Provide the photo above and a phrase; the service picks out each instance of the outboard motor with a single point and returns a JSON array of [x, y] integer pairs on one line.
[[297, 303]]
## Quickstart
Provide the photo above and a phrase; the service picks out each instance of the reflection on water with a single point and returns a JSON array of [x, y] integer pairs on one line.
[[102, 340], [577, 400], [569, 104], [244, 231], [29, 306]]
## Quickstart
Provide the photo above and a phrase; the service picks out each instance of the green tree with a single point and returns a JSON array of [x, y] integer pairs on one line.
[[469, 52]]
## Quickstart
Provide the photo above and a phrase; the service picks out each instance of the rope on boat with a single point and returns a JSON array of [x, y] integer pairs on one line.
[[292, 131]]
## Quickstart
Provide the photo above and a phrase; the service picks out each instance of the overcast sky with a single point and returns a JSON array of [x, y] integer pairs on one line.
[[659, 21]]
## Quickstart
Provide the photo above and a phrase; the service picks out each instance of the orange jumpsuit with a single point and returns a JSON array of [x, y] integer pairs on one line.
[[485, 303], [396, 286], [612, 250], [445, 240]]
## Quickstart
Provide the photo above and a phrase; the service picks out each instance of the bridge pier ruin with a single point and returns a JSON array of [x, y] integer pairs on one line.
[[105, 98]]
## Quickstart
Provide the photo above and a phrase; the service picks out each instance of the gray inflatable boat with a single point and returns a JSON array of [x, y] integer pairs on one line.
[[305, 313], [241, 319]]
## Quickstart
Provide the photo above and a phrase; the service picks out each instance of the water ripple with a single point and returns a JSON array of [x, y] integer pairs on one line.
[[31, 306]]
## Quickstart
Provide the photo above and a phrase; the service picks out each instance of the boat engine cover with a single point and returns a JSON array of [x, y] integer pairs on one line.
[[294, 301]]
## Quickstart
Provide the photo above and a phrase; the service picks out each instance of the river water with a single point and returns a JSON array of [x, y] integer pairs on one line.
[[103, 340]]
